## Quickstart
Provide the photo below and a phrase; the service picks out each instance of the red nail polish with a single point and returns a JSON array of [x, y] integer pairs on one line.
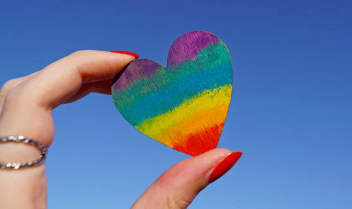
[[128, 53], [224, 166]]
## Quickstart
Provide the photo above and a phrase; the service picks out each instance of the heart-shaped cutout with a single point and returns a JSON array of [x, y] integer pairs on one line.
[[184, 106]]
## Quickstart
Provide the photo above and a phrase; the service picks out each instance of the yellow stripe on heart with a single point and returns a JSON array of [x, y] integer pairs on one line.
[[203, 111]]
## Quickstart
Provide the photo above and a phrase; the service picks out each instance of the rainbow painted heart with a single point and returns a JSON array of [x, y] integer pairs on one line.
[[184, 106]]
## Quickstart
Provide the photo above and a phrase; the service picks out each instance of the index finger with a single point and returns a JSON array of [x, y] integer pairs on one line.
[[63, 78]]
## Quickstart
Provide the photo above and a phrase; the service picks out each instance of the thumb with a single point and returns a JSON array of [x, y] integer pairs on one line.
[[179, 185]]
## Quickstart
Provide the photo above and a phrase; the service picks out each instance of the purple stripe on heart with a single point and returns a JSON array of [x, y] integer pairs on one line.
[[181, 51], [129, 77]]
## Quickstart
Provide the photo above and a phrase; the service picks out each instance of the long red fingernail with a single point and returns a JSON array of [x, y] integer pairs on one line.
[[224, 166], [128, 53]]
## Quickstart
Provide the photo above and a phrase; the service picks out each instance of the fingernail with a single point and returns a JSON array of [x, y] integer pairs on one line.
[[224, 166], [128, 53]]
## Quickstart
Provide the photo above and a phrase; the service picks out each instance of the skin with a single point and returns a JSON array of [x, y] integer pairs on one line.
[[26, 106]]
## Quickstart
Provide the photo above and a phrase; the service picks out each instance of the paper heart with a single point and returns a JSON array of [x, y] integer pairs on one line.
[[184, 106]]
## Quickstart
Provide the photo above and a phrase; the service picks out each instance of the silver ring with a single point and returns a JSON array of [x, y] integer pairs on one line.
[[22, 139]]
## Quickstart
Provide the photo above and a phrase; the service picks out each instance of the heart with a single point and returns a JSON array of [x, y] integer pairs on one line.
[[185, 105]]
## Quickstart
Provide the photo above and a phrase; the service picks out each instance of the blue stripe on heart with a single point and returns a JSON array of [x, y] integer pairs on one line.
[[150, 106]]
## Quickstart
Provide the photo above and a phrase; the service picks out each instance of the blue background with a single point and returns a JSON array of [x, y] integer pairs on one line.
[[290, 114]]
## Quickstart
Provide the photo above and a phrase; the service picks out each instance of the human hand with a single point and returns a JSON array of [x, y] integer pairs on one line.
[[26, 106]]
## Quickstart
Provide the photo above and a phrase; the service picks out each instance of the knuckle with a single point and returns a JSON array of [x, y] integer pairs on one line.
[[12, 95], [15, 90], [7, 87], [17, 98]]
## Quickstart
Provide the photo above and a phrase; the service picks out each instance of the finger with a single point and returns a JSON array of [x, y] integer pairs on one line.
[[61, 80], [180, 184]]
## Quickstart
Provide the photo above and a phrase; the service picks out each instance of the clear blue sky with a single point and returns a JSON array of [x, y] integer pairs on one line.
[[290, 114]]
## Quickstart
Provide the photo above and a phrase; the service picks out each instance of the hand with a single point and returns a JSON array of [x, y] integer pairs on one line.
[[25, 109]]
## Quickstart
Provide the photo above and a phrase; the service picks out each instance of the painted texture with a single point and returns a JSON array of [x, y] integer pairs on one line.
[[184, 106]]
